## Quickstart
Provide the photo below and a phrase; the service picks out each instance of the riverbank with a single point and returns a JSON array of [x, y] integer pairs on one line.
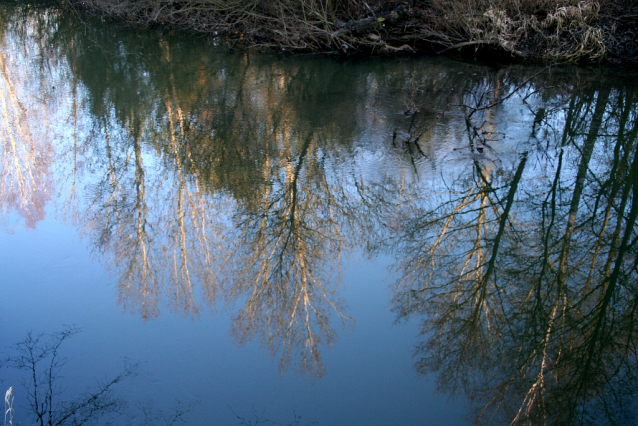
[[588, 31]]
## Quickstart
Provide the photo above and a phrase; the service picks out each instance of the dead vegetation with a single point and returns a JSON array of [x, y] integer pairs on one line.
[[543, 30]]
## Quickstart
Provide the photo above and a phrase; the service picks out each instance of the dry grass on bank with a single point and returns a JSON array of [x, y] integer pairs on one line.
[[563, 30]]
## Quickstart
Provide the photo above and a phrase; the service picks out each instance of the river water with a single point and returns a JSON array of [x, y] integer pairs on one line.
[[251, 238]]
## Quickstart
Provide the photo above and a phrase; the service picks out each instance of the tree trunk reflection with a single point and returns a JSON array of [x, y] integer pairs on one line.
[[541, 333]]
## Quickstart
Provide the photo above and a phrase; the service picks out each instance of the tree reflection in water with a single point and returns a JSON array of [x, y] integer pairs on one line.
[[526, 279], [25, 155], [236, 177], [167, 223], [280, 266]]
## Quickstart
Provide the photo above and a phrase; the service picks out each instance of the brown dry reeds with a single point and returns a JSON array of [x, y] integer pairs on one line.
[[552, 30], [559, 30]]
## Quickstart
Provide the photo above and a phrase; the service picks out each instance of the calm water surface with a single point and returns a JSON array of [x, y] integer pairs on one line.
[[306, 240]]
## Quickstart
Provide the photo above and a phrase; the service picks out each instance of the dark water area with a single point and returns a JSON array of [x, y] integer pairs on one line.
[[256, 239]]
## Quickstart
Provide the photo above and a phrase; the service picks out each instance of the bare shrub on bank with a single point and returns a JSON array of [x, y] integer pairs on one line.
[[39, 356], [297, 24], [563, 30], [48, 403]]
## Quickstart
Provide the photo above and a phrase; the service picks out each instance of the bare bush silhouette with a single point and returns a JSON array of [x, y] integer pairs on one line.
[[40, 357]]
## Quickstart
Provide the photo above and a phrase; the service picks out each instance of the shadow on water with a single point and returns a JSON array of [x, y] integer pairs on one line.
[[508, 199]]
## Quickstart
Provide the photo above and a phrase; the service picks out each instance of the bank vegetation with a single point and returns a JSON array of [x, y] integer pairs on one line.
[[538, 30]]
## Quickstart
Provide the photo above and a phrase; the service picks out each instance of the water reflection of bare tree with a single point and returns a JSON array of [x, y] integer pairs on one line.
[[233, 134], [157, 224], [282, 265], [527, 286], [265, 153], [25, 155], [526, 278]]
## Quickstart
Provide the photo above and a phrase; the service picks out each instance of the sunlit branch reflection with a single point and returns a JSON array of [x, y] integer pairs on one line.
[[25, 156], [286, 249]]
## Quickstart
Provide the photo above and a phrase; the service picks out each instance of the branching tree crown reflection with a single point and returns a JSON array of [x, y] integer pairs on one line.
[[236, 180], [526, 283]]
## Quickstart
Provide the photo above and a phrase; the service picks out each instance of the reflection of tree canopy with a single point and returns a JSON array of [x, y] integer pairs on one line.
[[527, 279], [221, 135], [283, 259], [152, 216], [25, 156], [244, 179], [253, 133]]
